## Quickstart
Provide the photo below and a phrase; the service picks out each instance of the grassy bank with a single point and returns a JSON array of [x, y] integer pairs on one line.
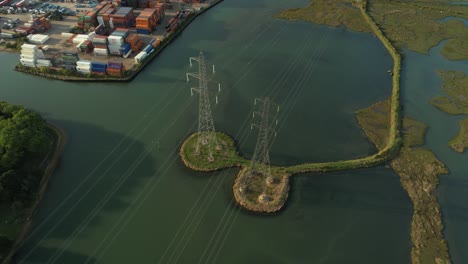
[[455, 85]]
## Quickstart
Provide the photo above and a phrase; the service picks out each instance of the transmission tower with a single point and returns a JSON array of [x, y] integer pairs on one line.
[[260, 164], [206, 130]]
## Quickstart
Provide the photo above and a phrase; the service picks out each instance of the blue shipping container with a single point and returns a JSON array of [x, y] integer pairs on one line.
[[98, 64], [143, 31], [148, 49], [125, 48], [98, 69]]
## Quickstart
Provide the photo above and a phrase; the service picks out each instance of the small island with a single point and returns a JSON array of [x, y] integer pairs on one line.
[[30, 151], [252, 189], [460, 142]]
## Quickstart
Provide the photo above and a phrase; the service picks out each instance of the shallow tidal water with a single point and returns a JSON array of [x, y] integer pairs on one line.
[[121, 195]]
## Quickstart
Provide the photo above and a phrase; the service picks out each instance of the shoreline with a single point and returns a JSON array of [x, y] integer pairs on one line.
[[60, 141], [131, 76]]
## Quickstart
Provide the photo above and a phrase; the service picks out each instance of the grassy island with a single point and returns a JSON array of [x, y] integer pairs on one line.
[[225, 156], [460, 142], [29, 152], [415, 25]]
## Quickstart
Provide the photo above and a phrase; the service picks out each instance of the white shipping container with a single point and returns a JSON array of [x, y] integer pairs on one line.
[[101, 52], [6, 35], [45, 62], [26, 46], [116, 40], [78, 40], [140, 57], [28, 25], [100, 20], [115, 52], [28, 57], [114, 49], [39, 39], [83, 69], [82, 36], [30, 54], [66, 34], [29, 64], [83, 63]]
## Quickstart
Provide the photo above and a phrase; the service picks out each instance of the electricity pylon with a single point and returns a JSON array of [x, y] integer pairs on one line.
[[260, 164], [206, 129]]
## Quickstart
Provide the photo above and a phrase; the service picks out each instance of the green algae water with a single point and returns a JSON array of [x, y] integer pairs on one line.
[[121, 195]]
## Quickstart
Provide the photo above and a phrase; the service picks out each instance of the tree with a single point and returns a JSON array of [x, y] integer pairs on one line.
[[21, 132]]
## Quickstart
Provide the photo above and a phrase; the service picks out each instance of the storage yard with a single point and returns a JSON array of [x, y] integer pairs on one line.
[[107, 39]]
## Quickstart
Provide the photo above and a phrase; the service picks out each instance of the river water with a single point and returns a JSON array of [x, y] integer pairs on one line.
[[121, 195]]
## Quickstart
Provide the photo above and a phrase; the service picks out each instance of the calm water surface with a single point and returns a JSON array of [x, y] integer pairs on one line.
[[420, 84], [121, 195]]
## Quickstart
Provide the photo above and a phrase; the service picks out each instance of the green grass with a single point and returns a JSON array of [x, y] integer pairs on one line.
[[226, 157], [460, 142], [455, 85], [410, 24], [333, 13]]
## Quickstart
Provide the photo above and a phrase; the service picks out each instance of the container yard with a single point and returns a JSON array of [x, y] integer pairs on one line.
[[109, 38]]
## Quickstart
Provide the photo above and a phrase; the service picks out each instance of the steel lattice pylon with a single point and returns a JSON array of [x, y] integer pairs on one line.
[[261, 158], [206, 129]]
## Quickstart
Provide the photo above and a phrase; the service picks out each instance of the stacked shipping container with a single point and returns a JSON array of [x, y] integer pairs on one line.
[[98, 68], [83, 66], [116, 42], [103, 16], [29, 54], [69, 60], [147, 21], [124, 17], [115, 68], [85, 46], [100, 45], [89, 20], [134, 41]]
